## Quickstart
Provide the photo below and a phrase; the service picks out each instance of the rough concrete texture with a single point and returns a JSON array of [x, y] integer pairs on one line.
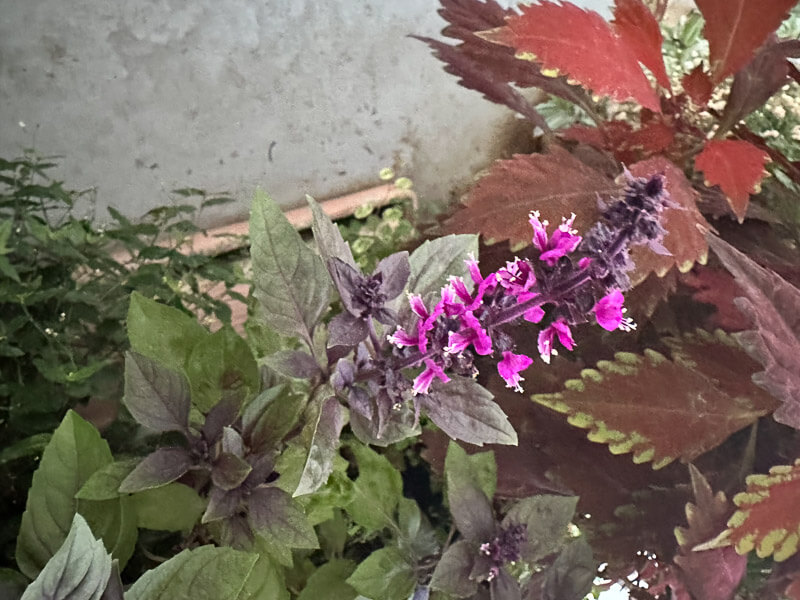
[[296, 96]]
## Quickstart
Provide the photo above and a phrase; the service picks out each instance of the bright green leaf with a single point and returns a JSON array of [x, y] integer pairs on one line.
[[173, 507], [104, 483], [376, 491], [330, 582], [385, 574]]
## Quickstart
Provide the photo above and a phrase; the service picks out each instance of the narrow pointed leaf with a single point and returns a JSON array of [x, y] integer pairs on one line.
[[161, 467], [328, 237], [291, 282], [639, 30]]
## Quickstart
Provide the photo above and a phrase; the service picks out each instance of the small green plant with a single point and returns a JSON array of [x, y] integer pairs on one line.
[[64, 291]]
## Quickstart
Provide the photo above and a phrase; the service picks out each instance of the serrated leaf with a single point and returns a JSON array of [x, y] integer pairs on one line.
[[736, 28], [556, 184], [156, 396], [158, 468], [291, 282], [173, 507], [221, 365], [772, 305], [639, 30], [75, 451], [376, 490], [329, 582], [204, 572], [698, 86], [384, 574], [79, 570], [464, 410], [685, 225], [710, 574], [767, 519], [162, 333], [737, 167], [451, 574], [546, 518], [322, 435], [697, 405], [581, 45]]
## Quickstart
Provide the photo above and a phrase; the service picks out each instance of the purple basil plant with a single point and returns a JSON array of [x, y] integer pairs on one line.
[[561, 280]]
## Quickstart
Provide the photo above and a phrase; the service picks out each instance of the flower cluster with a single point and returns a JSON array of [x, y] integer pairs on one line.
[[505, 548], [549, 285]]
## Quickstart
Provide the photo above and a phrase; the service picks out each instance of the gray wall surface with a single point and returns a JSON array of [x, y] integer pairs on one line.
[[295, 96]]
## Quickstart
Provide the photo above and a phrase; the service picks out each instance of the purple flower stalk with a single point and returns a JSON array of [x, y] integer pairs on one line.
[[547, 284]]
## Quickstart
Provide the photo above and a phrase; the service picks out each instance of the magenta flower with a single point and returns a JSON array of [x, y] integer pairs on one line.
[[471, 332], [563, 241], [425, 323], [510, 368], [548, 335], [517, 277], [533, 314], [423, 381], [608, 311]]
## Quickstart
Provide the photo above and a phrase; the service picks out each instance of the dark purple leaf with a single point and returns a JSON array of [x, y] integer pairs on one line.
[[346, 279], [764, 75], [572, 573], [546, 518], [229, 471], [293, 363], [328, 237], [471, 509], [395, 271], [232, 442], [773, 306], [114, 589], [347, 330], [505, 587], [321, 434], [464, 410], [451, 575], [222, 504], [270, 416], [156, 397], [224, 413], [161, 467], [275, 515]]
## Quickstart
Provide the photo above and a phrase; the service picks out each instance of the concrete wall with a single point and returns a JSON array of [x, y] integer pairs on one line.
[[297, 96]]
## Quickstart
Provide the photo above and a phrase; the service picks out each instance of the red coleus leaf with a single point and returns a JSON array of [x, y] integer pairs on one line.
[[737, 167], [767, 518], [627, 144], [773, 305], [698, 86], [639, 29], [704, 395], [556, 184], [736, 28], [709, 574], [686, 227], [582, 45], [718, 288]]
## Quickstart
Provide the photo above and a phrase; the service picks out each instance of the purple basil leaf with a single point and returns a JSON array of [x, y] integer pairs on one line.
[[572, 573], [346, 329], [278, 518], [224, 413], [773, 305], [270, 416], [396, 426], [505, 587], [322, 437], [156, 397], [232, 442], [222, 504], [161, 467], [263, 466], [464, 410], [546, 518], [346, 279], [293, 363], [114, 589], [229, 471], [395, 270], [451, 574], [471, 510], [328, 237]]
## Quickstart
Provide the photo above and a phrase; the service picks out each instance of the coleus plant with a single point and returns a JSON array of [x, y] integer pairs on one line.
[[248, 456], [669, 392]]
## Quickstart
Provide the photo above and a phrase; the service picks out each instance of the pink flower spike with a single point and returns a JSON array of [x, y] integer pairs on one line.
[[539, 230], [563, 241], [450, 303], [532, 315], [418, 306], [510, 368], [548, 335], [474, 270], [608, 311], [423, 381], [400, 338]]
